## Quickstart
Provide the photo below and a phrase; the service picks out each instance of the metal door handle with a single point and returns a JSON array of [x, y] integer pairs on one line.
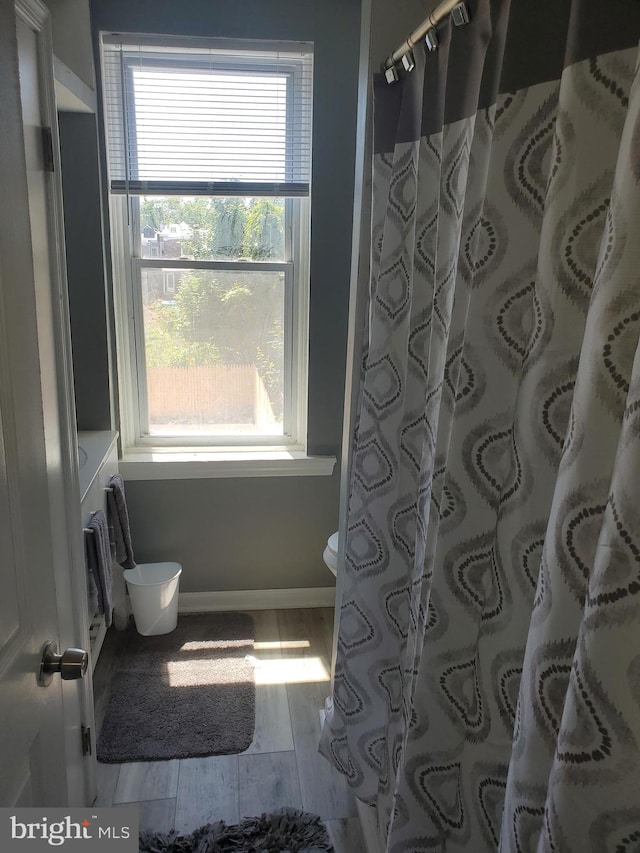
[[71, 664]]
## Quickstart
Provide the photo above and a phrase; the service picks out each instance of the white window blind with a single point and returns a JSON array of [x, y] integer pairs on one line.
[[207, 118]]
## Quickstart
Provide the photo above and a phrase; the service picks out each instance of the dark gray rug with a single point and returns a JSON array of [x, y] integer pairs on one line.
[[287, 830], [185, 694]]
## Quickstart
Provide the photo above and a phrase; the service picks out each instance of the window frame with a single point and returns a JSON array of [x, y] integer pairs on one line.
[[127, 269]]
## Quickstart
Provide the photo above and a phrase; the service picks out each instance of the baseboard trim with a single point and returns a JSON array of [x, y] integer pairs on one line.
[[256, 599]]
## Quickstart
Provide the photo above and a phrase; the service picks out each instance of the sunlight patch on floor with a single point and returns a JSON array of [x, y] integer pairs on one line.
[[201, 673], [201, 645], [289, 670], [282, 644]]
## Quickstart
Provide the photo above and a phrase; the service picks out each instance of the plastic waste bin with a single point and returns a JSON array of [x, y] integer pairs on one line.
[[153, 591]]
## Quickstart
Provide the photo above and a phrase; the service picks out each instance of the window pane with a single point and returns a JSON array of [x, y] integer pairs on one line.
[[214, 346], [205, 228]]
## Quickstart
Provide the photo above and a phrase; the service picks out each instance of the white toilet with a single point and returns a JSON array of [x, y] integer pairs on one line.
[[330, 555]]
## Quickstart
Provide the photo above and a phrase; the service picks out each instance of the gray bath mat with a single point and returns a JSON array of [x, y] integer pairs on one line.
[[185, 694], [287, 830]]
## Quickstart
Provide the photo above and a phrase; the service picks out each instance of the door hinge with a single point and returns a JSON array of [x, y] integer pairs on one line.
[[47, 150], [86, 740]]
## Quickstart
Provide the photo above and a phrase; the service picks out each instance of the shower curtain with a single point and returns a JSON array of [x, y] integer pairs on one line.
[[487, 684]]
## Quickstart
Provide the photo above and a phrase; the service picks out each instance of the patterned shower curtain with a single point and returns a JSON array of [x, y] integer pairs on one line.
[[487, 684]]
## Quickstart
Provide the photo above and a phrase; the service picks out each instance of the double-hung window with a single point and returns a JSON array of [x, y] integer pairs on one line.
[[209, 155]]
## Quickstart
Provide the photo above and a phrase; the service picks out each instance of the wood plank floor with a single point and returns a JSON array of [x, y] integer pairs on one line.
[[281, 767]]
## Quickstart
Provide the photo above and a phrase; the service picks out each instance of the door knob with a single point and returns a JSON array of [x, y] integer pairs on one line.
[[71, 664]]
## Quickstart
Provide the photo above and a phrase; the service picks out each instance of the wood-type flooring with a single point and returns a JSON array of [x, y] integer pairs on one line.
[[281, 767]]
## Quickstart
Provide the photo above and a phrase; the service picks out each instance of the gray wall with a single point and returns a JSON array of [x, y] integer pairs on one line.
[[391, 23], [85, 269], [269, 533], [254, 533]]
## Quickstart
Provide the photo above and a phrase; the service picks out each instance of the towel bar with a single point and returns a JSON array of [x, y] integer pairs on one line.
[[91, 530]]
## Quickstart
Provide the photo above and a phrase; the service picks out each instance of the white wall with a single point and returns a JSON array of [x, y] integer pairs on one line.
[[70, 22]]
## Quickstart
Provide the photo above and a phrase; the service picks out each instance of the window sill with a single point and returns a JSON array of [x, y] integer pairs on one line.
[[161, 463]]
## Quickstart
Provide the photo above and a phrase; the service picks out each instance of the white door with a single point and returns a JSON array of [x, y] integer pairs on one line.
[[41, 580]]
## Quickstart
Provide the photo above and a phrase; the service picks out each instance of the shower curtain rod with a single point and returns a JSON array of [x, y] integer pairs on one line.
[[460, 16]]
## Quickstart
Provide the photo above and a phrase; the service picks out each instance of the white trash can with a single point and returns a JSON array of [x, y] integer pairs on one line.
[[153, 590]]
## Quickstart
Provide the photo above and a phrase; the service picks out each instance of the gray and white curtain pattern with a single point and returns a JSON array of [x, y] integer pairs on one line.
[[487, 684]]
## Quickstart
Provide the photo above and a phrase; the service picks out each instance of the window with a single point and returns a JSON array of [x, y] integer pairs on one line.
[[209, 150]]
